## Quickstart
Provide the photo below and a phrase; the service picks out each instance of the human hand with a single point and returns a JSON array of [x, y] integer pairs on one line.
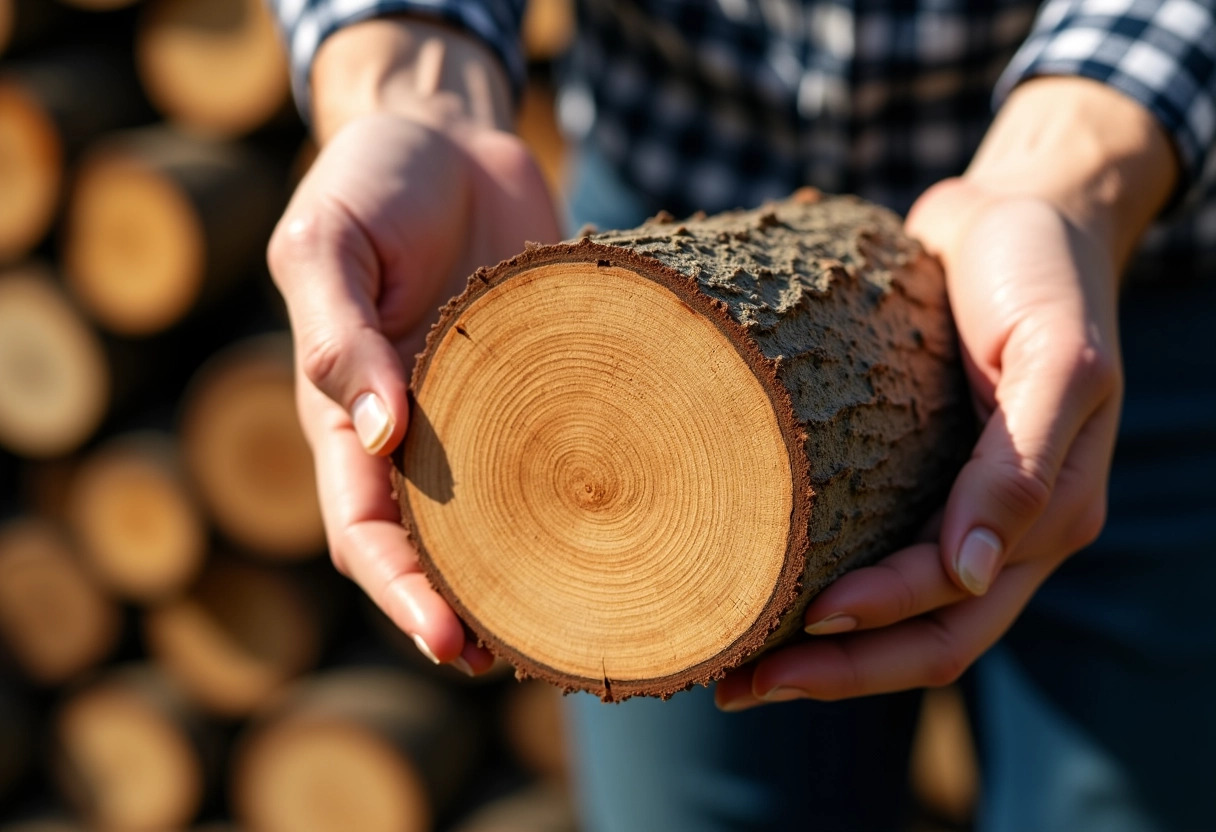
[[1033, 283], [389, 222]]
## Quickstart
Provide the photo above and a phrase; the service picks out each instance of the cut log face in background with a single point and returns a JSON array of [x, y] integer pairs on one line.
[[633, 459]]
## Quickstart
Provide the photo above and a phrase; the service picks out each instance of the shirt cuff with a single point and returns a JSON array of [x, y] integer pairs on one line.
[[306, 24], [1161, 54]]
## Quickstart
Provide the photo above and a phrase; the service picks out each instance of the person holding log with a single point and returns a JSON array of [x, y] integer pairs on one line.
[[1106, 116]]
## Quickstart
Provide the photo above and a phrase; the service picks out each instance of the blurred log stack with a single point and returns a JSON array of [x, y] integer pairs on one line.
[[175, 650]]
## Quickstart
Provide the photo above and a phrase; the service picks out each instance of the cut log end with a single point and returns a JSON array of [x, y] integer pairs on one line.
[[215, 66], [31, 168], [360, 748], [237, 639], [565, 477], [633, 459], [246, 451], [134, 250], [136, 519], [321, 775], [54, 380], [127, 759]]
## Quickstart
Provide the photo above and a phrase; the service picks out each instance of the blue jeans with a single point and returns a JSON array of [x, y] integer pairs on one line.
[[1096, 712]]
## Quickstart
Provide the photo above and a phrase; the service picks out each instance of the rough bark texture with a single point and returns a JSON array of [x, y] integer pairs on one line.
[[846, 323]]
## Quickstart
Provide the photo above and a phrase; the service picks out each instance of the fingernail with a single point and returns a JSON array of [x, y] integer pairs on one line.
[[460, 664], [837, 622], [783, 694], [977, 560], [735, 705], [372, 423], [425, 649]]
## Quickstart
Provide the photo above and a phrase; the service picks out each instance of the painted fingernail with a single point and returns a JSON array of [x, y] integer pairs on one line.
[[783, 694], [977, 560], [372, 423], [837, 622], [460, 664], [425, 649]]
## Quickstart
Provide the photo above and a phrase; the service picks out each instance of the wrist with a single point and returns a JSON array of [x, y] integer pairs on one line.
[[428, 72], [1097, 156]]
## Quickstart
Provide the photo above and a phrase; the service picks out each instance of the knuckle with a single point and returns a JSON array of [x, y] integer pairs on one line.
[[1096, 371], [320, 356], [904, 596], [1087, 524], [947, 661], [1023, 488]]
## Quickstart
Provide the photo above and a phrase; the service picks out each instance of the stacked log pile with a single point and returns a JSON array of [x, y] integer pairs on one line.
[[175, 650]]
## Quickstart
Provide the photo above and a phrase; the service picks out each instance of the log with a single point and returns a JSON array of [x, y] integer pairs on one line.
[[54, 381], [130, 753], [50, 107], [246, 452], [535, 729], [540, 807], [55, 621], [135, 517], [944, 770], [368, 749], [214, 66], [160, 223], [238, 637], [633, 459]]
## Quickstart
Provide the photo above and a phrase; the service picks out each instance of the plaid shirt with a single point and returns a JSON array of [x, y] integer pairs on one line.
[[711, 104]]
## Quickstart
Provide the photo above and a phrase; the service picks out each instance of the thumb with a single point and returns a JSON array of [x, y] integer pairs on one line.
[[329, 274]]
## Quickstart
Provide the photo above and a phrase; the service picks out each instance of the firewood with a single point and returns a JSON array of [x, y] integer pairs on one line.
[[368, 749], [160, 223], [54, 381], [246, 452], [55, 621], [214, 66], [633, 459], [534, 728], [237, 637], [540, 807], [136, 519], [52, 105], [130, 754]]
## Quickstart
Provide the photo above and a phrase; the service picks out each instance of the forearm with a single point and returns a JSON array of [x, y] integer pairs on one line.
[[1096, 154], [434, 74]]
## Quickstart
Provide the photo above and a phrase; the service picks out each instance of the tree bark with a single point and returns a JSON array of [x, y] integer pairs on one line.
[[633, 459]]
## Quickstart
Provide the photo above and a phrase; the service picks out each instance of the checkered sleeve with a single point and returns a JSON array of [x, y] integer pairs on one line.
[[305, 24], [1162, 54]]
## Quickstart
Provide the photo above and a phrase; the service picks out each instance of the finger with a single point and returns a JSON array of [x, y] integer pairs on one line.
[[929, 651], [368, 543], [734, 691], [329, 275], [1047, 392], [906, 584]]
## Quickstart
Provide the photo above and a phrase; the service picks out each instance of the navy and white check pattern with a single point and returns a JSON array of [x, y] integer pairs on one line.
[[710, 104]]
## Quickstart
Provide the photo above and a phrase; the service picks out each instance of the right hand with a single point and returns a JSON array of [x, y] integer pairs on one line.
[[388, 224]]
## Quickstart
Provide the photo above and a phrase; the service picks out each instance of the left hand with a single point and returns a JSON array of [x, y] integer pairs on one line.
[[1034, 299]]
